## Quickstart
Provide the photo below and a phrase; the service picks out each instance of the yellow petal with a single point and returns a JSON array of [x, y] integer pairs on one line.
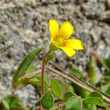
[[69, 51], [66, 30], [54, 28], [74, 43]]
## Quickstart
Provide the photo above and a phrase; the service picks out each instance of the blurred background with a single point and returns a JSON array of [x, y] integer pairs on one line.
[[24, 27]]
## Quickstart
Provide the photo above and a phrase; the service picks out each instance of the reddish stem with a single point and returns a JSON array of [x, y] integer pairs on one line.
[[41, 108], [32, 74], [43, 66], [60, 106]]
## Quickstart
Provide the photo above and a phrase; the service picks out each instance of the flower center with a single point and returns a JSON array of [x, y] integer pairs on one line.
[[59, 41]]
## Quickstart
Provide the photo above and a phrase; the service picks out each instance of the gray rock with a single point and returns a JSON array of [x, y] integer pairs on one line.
[[102, 51], [91, 10], [25, 95], [105, 17], [3, 89], [16, 49], [84, 36], [19, 34], [29, 22]]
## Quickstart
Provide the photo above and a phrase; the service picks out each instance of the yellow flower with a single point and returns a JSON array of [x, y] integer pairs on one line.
[[59, 37]]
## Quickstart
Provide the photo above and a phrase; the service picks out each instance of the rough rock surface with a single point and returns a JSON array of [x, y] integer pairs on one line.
[[24, 26]]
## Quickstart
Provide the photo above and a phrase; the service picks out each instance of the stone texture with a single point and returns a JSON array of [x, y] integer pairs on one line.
[[24, 26]]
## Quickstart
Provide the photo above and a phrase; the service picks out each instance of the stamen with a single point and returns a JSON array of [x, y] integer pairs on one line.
[[64, 43], [59, 40], [56, 36]]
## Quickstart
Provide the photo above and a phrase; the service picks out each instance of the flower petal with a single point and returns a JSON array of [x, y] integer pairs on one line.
[[69, 51], [66, 30], [54, 28], [74, 43]]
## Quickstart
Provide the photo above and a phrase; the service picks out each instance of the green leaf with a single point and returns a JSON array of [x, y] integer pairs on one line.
[[53, 47], [46, 79], [39, 83], [73, 103], [83, 93], [31, 69], [92, 73], [106, 89], [30, 79], [77, 105], [24, 81], [62, 87], [95, 94], [47, 100], [93, 107], [51, 56], [107, 62], [35, 80], [76, 72], [55, 88], [11, 101], [70, 102], [25, 64], [15, 105], [93, 100], [67, 95], [71, 89]]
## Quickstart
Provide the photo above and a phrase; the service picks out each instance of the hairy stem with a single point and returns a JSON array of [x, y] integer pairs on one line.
[[43, 66], [60, 107], [32, 74]]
